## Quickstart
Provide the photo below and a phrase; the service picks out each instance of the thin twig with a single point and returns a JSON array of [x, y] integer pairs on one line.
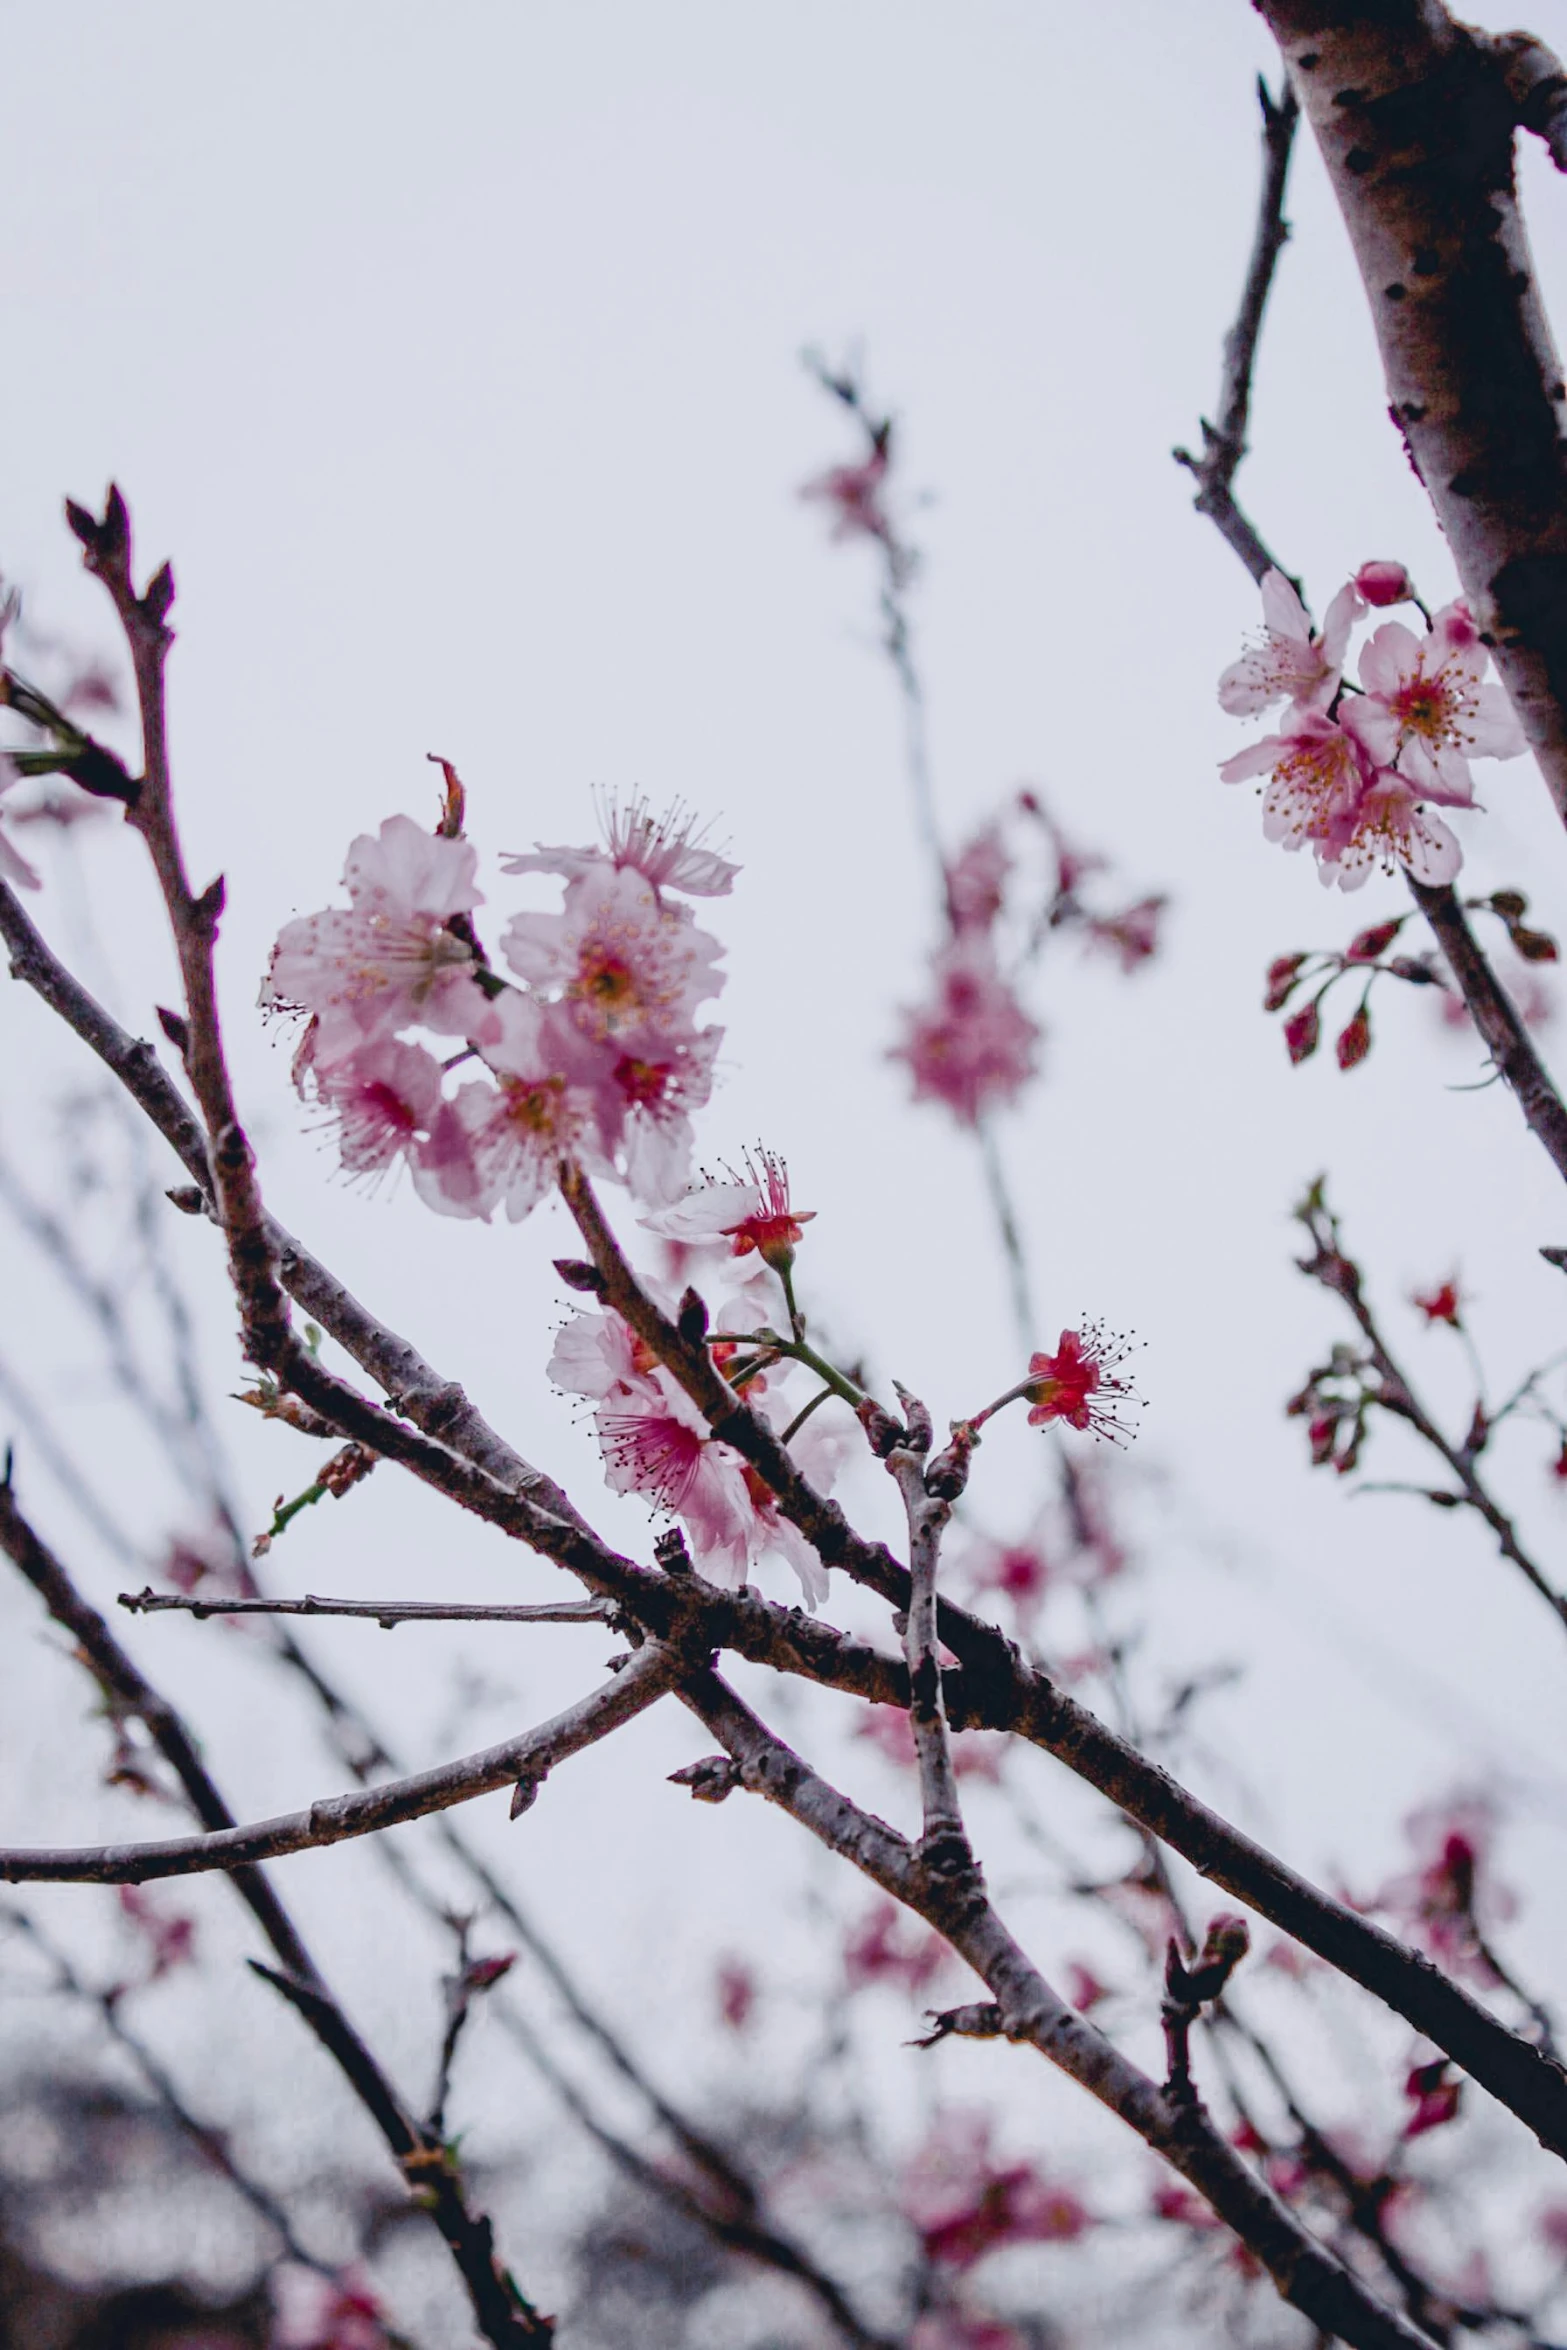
[[388, 1613]]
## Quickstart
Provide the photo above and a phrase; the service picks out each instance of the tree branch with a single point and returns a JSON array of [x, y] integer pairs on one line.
[[388, 1613]]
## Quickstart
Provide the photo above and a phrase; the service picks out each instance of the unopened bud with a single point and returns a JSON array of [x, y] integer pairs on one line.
[[691, 1321], [948, 1472], [1535, 946], [917, 1429], [1303, 1033], [882, 1432], [1385, 583], [1354, 1042], [711, 1780], [1367, 945], [578, 1274], [1283, 972]]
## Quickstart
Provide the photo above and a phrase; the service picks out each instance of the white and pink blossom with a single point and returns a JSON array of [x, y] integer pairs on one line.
[[1318, 774], [392, 959], [627, 970], [753, 1212], [383, 1097], [974, 1047], [1424, 708], [666, 850], [1292, 663]]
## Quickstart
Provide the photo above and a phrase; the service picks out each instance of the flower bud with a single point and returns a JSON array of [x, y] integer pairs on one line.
[[1303, 1033], [1354, 1041], [1385, 583], [1283, 972], [1367, 945]]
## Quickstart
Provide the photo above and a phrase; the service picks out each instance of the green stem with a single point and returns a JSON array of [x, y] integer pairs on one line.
[[800, 1417]]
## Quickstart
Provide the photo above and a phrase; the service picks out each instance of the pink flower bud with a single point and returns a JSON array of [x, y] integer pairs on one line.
[[1354, 1041], [1302, 1033], [1367, 945], [1385, 583], [1283, 972]]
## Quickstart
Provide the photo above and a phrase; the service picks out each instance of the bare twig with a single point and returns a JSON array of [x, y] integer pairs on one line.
[[1224, 443], [388, 1613]]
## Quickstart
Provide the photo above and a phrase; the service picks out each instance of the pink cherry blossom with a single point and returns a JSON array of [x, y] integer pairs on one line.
[[503, 1144], [1133, 936], [1389, 827], [13, 867], [963, 2203], [383, 1097], [1318, 774], [887, 1946], [169, 1936], [976, 881], [1439, 1902], [854, 493], [1424, 708], [327, 2313], [750, 1212], [1292, 663], [666, 850], [974, 1047], [392, 960], [627, 970]]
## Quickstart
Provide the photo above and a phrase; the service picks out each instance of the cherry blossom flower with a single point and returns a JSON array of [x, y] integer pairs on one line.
[[383, 1098], [1435, 2094], [168, 1935], [887, 1946], [327, 2313], [1441, 1304], [1133, 936], [1382, 584], [502, 1144], [13, 866], [1083, 1987], [854, 493], [749, 1212], [964, 2204], [1436, 1902], [666, 850], [630, 971], [1018, 1570], [392, 960], [974, 1047], [976, 881], [1079, 1383], [976, 1754], [1389, 828], [1292, 663], [1319, 775], [1425, 709]]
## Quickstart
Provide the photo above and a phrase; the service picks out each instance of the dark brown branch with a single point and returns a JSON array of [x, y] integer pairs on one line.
[[1491, 1009], [1224, 443], [388, 1613], [505, 2315], [1306, 2274], [1415, 116]]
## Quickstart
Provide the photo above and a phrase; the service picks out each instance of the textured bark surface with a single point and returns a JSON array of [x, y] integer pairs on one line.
[[1416, 117]]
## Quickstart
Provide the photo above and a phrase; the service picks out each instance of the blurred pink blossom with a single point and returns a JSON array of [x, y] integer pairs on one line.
[[973, 1047]]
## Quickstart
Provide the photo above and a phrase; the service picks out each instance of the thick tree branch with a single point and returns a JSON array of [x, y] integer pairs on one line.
[[1415, 116]]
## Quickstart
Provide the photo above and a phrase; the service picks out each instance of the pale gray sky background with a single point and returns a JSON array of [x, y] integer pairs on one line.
[[452, 355]]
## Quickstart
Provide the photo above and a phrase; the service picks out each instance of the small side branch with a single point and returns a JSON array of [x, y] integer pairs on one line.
[[1224, 443], [388, 1613]]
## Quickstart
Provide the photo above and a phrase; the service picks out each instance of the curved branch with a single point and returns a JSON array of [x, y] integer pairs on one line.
[[522, 1762]]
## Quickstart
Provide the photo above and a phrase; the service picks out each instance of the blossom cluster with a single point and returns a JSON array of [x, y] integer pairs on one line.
[[594, 1055], [1355, 771]]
